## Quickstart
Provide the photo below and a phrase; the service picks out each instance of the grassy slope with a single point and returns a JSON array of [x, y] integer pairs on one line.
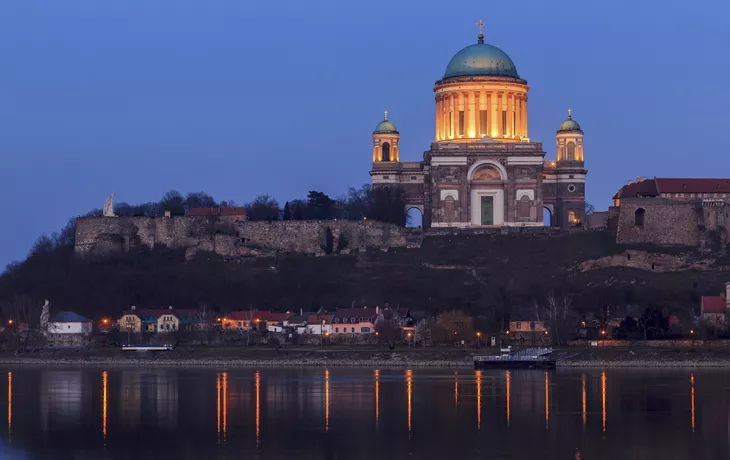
[[522, 267]]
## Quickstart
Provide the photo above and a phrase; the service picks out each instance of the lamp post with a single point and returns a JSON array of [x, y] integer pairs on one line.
[[692, 334], [603, 337], [409, 339], [479, 334]]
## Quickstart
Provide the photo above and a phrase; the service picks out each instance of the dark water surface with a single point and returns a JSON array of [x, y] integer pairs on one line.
[[145, 413]]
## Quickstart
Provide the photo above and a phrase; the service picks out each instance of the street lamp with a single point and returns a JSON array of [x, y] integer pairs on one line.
[[479, 334]]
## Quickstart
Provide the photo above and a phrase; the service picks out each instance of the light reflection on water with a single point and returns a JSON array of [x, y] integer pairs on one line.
[[272, 411]]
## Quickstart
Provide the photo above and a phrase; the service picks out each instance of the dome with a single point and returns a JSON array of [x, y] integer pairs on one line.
[[570, 125], [385, 126], [481, 59]]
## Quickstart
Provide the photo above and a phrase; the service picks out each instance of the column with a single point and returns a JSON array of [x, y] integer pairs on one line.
[[479, 102], [524, 115], [438, 118], [471, 131], [510, 115], [452, 104], [518, 129], [444, 118], [492, 128], [500, 128]]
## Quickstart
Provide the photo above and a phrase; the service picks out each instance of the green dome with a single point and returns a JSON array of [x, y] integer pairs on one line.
[[570, 125], [481, 60], [385, 126]]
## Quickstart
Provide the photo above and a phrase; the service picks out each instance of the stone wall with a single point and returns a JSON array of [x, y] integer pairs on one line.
[[232, 237], [665, 222]]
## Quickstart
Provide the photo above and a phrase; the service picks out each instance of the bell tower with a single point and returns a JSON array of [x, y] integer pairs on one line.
[[385, 141], [564, 192]]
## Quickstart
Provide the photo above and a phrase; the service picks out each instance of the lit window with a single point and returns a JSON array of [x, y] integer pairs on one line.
[[518, 325]]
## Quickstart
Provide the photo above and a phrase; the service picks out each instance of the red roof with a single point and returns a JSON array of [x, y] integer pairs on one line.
[[363, 312], [217, 212], [645, 187], [713, 304], [693, 185], [260, 315], [317, 319], [148, 312]]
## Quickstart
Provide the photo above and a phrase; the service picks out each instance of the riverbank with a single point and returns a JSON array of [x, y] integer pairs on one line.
[[602, 357]]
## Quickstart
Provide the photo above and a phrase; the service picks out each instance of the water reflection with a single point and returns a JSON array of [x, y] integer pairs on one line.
[[692, 383], [409, 389], [547, 401], [508, 387], [257, 379], [456, 389], [584, 399], [377, 395], [479, 399], [221, 385], [10, 403], [326, 400], [646, 407], [603, 400], [104, 377]]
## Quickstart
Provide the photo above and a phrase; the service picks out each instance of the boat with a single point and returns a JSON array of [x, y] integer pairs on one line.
[[529, 358]]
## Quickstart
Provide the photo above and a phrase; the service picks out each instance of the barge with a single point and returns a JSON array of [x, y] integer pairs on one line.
[[530, 358]]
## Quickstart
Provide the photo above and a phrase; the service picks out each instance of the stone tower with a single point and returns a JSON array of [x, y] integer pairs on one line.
[[385, 141], [565, 178]]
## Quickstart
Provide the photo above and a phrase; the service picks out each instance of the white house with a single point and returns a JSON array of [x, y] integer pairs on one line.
[[68, 322]]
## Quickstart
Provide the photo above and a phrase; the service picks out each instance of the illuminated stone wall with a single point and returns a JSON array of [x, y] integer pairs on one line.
[[232, 237], [668, 222]]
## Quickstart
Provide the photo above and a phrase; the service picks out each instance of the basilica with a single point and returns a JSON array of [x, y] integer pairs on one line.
[[483, 170]]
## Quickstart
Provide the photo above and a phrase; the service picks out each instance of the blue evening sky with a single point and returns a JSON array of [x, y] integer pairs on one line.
[[239, 97]]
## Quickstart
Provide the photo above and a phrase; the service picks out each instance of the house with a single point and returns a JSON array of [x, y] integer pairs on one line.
[[68, 322], [160, 320], [354, 320], [255, 319], [298, 323], [528, 330], [713, 308], [319, 324]]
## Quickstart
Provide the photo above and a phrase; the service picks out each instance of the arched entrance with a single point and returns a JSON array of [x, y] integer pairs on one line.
[[547, 217], [414, 217], [486, 180]]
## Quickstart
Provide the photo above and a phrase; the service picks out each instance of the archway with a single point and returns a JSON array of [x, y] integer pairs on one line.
[[386, 151], [547, 217], [414, 218]]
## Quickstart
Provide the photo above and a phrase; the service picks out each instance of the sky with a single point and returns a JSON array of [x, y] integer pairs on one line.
[[240, 98]]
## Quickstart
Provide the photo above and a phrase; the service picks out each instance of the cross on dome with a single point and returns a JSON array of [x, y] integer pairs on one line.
[[570, 114], [481, 25], [386, 116]]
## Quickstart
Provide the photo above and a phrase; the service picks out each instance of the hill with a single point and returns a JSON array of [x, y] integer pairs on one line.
[[479, 273]]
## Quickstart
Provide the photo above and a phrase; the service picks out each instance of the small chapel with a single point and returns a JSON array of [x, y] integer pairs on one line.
[[482, 170]]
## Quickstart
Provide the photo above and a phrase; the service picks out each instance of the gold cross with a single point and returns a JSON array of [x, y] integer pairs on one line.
[[481, 24]]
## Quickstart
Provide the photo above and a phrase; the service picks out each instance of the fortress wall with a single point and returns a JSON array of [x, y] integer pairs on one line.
[[665, 223], [230, 236]]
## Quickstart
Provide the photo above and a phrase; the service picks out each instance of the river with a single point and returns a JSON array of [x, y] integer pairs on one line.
[[355, 413]]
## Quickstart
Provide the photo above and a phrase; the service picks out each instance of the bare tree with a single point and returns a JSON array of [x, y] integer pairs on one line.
[[557, 311], [23, 316], [387, 327]]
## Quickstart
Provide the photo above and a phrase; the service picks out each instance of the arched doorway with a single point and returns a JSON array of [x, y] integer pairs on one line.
[[547, 217], [414, 217]]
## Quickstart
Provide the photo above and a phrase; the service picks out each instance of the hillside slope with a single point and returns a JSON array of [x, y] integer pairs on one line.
[[473, 272]]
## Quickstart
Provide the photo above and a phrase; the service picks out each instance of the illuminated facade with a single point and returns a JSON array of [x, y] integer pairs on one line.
[[483, 170]]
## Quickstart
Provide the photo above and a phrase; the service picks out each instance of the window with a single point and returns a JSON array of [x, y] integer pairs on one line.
[[571, 218], [449, 207], [523, 207], [483, 122], [532, 325], [365, 329], [571, 188], [639, 217], [386, 151], [353, 330], [337, 329], [571, 151], [518, 325], [461, 123]]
